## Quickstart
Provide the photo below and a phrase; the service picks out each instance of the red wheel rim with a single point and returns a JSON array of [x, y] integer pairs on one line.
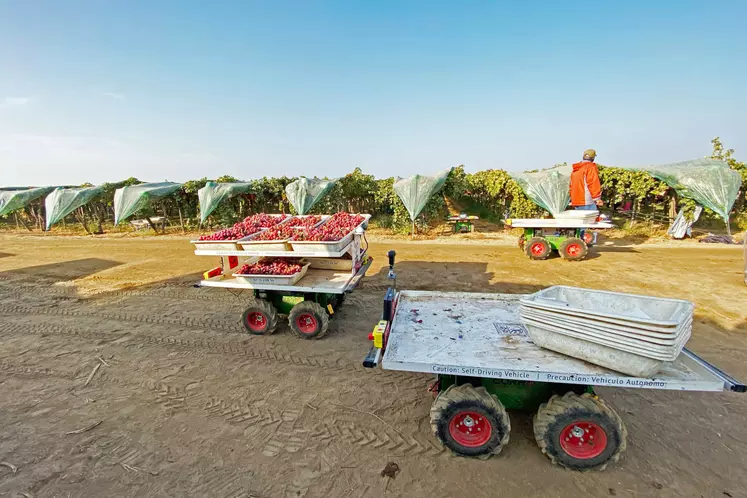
[[573, 250], [583, 440], [306, 323], [538, 249], [588, 237], [256, 321], [470, 429]]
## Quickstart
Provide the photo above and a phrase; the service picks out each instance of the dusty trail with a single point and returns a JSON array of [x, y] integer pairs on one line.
[[191, 406]]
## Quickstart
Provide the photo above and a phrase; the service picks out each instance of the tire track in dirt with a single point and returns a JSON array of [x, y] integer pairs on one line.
[[171, 398], [221, 325], [34, 372], [244, 414], [73, 292], [224, 484], [198, 346], [387, 439], [293, 440]]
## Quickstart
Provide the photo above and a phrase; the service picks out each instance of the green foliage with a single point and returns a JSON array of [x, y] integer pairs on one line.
[[620, 184], [269, 195], [500, 194], [456, 183], [491, 194], [226, 179], [727, 155], [130, 181]]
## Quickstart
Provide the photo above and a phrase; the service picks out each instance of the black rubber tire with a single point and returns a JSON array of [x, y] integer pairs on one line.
[[456, 399], [561, 411], [269, 312], [319, 313], [588, 237], [581, 248], [532, 242]]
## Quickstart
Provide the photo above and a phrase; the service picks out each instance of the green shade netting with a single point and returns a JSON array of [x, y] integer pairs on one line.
[[63, 201], [708, 182], [549, 189], [212, 194], [416, 190], [304, 193], [130, 199], [11, 200]]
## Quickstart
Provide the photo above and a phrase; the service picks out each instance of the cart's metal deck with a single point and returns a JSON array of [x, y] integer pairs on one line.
[[327, 281], [481, 335], [557, 223]]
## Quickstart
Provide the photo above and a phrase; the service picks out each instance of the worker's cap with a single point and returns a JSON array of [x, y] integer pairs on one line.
[[590, 154]]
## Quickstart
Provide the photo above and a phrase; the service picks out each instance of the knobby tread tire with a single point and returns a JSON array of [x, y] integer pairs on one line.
[[267, 309], [465, 396], [559, 411], [315, 309], [535, 240]]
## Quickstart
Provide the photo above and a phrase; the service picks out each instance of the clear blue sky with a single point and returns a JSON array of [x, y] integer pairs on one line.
[[101, 90]]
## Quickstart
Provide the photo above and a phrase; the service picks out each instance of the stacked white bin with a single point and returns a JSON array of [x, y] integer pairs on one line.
[[580, 215], [628, 333]]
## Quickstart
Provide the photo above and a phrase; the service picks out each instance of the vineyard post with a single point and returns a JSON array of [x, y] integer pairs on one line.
[[22, 221], [80, 214], [153, 225], [181, 219]]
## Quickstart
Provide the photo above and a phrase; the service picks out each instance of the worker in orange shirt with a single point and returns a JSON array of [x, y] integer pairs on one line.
[[586, 190]]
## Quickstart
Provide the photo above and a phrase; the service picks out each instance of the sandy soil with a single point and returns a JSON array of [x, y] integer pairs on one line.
[[189, 405]]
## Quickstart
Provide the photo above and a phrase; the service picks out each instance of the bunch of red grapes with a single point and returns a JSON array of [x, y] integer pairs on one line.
[[265, 220], [269, 266], [250, 225], [332, 230], [238, 231], [307, 222], [282, 232]]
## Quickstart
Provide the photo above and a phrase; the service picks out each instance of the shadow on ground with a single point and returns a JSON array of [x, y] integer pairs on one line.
[[446, 276], [66, 270]]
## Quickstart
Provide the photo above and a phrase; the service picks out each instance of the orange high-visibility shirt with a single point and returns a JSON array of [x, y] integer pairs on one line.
[[585, 185]]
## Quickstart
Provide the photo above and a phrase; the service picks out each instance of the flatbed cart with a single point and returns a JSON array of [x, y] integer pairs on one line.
[[485, 363], [570, 238], [308, 303], [462, 223]]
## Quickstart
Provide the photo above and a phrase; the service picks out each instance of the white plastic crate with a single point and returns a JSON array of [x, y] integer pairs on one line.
[[328, 247], [620, 361], [617, 332], [338, 264], [215, 245], [272, 279], [578, 214], [610, 323], [619, 306], [249, 244], [648, 350]]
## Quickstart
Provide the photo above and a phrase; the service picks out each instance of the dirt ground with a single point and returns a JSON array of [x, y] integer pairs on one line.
[[110, 331]]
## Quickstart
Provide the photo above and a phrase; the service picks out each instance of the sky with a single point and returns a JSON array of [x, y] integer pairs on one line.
[[94, 91]]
